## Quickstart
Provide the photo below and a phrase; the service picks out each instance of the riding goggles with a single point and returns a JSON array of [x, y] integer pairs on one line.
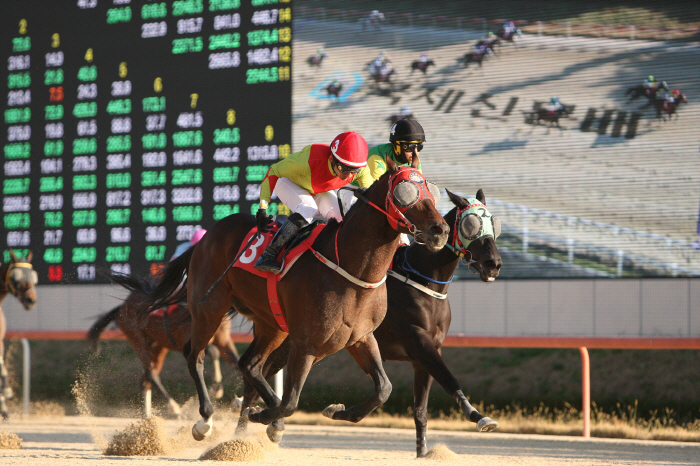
[[346, 168], [411, 146]]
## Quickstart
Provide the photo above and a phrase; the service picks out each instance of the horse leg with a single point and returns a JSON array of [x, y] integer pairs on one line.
[[156, 366], [421, 349], [275, 363], [298, 366], [366, 354], [421, 389], [217, 387]]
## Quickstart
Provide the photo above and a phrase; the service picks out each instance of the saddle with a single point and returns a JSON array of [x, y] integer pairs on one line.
[[299, 245]]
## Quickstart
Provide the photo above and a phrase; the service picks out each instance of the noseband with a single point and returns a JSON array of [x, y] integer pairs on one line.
[[395, 214]]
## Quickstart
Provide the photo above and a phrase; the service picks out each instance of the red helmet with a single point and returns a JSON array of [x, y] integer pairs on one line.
[[676, 92], [350, 149]]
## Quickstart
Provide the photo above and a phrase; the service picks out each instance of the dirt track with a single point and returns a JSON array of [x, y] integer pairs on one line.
[[71, 441]]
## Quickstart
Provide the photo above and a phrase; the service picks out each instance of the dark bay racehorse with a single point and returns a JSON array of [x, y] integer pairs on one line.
[[550, 116], [19, 278], [418, 314], [325, 311], [153, 334], [642, 91], [664, 107], [421, 66]]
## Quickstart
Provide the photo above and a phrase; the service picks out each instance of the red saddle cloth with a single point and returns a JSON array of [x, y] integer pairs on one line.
[[251, 255]]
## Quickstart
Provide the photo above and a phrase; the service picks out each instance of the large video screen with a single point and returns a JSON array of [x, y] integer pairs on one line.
[[130, 125]]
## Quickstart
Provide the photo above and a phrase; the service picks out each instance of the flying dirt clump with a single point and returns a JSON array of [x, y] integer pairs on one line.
[[145, 438], [441, 452], [236, 450], [9, 441]]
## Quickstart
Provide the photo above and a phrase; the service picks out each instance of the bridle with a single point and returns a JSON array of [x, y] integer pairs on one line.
[[396, 213], [457, 244], [27, 272]]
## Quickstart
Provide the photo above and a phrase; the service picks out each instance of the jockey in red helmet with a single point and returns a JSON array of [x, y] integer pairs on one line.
[[306, 182]]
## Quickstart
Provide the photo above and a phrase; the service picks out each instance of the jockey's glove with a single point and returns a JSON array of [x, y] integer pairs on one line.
[[262, 220]]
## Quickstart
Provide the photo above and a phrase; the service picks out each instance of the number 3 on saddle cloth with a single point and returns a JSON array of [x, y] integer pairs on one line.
[[300, 244]]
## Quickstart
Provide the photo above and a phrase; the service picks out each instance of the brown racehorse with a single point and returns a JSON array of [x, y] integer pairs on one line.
[[152, 335], [418, 315], [325, 310], [18, 278], [664, 107]]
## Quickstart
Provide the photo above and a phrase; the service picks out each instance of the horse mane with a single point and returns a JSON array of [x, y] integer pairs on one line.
[[366, 192]]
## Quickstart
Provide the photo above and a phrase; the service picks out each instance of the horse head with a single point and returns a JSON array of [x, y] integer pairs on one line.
[[20, 280], [474, 235], [410, 203]]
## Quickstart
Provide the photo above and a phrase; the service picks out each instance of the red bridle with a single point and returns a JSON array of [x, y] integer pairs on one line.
[[395, 214]]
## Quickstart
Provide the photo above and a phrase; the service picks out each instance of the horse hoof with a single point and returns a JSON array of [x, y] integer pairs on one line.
[[175, 408], [274, 434], [486, 424], [8, 393], [202, 430], [236, 404], [332, 409]]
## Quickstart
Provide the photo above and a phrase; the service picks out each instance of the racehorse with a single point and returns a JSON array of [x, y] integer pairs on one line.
[[315, 60], [19, 279], [642, 91], [381, 74], [551, 116], [422, 66], [418, 314], [334, 88], [153, 334], [474, 57], [510, 37], [664, 107], [328, 306]]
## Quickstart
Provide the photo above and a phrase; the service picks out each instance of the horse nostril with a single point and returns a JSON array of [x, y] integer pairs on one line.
[[436, 230]]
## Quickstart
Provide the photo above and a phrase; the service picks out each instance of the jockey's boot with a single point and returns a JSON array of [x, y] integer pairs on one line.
[[268, 259]]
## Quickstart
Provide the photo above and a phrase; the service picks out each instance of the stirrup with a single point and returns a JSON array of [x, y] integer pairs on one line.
[[268, 264]]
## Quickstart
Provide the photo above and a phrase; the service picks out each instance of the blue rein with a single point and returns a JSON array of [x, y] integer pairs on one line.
[[407, 267]]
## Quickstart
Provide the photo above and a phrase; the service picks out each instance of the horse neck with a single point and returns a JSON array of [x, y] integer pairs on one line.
[[366, 243], [440, 265]]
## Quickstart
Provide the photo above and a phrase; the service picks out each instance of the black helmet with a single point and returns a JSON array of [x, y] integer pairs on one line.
[[407, 130]]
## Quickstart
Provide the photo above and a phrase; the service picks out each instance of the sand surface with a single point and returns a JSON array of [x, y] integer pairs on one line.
[[76, 440]]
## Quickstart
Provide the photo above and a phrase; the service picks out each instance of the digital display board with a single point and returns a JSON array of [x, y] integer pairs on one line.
[[131, 124]]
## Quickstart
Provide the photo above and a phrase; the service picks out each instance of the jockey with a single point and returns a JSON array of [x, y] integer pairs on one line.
[[405, 112], [405, 141], [508, 29], [482, 50], [185, 246], [376, 16], [649, 83], [424, 57], [554, 105], [671, 98], [305, 182]]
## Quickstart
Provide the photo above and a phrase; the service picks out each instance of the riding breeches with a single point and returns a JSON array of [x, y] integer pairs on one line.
[[307, 205]]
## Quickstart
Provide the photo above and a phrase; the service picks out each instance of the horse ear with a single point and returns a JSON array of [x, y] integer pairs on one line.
[[391, 166], [29, 256], [457, 200], [13, 256], [480, 196], [415, 163]]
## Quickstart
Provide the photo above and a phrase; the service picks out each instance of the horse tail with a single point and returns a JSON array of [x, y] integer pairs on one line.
[[170, 289], [93, 335]]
